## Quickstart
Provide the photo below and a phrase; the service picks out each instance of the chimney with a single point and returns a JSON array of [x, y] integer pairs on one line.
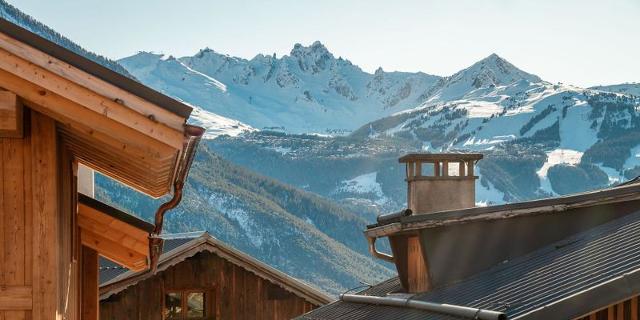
[[435, 182]]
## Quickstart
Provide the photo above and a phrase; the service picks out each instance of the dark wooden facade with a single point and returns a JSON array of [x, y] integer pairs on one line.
[[624, 310], [231, 292]]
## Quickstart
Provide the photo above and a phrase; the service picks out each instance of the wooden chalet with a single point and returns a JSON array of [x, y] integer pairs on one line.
[[199, 277], [59, 110], [570, 257]]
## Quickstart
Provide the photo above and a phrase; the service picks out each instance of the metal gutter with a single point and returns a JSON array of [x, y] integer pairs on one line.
[[193, 134], [448, 309]]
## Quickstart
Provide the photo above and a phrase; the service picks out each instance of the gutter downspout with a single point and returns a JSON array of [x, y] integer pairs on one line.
[[377, 254], [192, 134], [448, 309], [383, 220]]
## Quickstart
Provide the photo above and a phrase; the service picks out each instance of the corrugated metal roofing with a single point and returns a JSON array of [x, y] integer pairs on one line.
[[520, 287], [109, 269]]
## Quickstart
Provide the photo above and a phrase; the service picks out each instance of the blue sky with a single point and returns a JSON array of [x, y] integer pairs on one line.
[[578, 42]]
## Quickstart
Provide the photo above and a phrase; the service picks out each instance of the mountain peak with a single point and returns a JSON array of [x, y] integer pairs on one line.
[[315, 57], [316, 48], [493, 70]]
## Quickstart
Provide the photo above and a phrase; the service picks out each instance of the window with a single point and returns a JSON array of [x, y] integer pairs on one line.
[[173, 305], [184, 305], [195, 305]]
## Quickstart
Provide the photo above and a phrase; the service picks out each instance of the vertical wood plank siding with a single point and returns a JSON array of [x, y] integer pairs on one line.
[[625, 310], [15, 217], [28, 212], [232, 292]]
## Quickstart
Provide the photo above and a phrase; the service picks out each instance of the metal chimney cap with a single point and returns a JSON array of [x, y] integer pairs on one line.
[[431, 157]]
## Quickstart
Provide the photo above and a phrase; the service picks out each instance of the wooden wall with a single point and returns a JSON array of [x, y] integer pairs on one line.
[[625, 310], [35, 253], [233, 293], [16, 227]]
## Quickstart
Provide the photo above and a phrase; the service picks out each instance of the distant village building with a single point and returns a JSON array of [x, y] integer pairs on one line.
[[59, 111], [199, 277], [570, 257]]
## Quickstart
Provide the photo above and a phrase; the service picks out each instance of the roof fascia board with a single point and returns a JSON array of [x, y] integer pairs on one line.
[[77, 92]]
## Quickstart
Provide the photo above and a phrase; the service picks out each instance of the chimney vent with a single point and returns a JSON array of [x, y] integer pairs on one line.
[[438, 182], [435, 182]]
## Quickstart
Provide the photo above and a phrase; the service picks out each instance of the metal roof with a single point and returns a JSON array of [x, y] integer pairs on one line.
[[564, 280], [87, 65], [623, 192], [109, 270]]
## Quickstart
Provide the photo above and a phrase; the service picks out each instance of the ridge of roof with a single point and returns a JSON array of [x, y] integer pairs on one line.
[[89, 66], [190, 243], [622, 192], [183, 235]]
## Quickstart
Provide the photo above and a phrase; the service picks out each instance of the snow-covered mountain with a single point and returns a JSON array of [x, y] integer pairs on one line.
[[537, 135], [309, 90], [625, 88], [540, 139]]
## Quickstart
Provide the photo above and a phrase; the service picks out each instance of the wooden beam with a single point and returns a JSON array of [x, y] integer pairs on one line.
[[16, 298], [45, 217], [113, 93], [154, 161], [89, 99], [417, 272], [90, 284], [114, 251], [75, 115], [10, 115], [90, 220], [14, 216]]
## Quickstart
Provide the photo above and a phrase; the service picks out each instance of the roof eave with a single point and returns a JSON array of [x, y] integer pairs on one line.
[[94, 68], [415, 222]]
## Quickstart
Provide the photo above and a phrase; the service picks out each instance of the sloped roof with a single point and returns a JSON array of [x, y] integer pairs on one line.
[[110, 270], [564, 280], [181, 246], [623, 192]]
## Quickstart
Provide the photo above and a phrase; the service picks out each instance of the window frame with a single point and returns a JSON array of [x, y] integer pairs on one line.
[[184, 294]]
